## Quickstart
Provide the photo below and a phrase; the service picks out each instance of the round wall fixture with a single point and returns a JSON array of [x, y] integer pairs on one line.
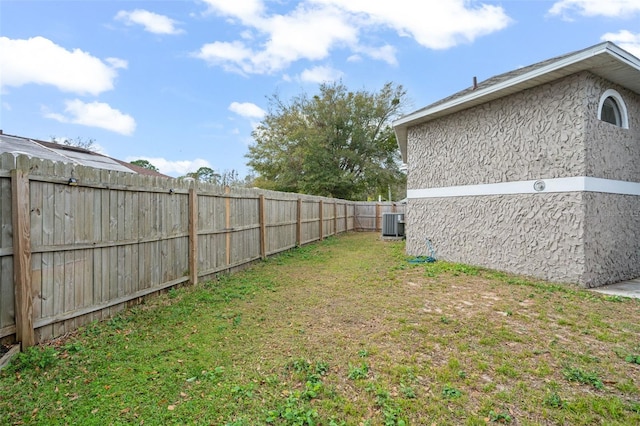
[[539, 185]]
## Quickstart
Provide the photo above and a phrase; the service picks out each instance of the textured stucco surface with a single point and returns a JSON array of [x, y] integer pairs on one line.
[[612, 152], [538, 133], [612, 225], [540, 235], [550, 131], [612, 238]]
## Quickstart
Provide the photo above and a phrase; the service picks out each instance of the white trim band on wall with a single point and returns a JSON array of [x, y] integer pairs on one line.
[[568, 184]]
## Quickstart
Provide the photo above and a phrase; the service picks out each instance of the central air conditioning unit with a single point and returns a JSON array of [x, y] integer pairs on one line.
[[393, 224]]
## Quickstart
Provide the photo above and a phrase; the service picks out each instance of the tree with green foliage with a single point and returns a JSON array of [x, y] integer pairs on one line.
[[337, 143], [205, 174], [226, 178], [145, 164]]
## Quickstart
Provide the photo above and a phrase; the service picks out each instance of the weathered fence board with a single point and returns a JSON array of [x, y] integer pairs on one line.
[[7, 323], [22, 258], [113, 238]]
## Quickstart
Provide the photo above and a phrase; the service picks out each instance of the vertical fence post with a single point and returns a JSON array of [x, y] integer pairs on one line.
[[299, 223], [193, 235], [378, 226], [335, 217], [22, 258], [321, 220], [227, 224], [346, 218], [263, 228]]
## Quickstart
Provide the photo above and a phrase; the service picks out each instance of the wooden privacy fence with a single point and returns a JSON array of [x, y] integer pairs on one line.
[[79, 244]]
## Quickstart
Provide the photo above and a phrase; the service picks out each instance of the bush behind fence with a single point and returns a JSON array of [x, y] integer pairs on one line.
[[71, 254]]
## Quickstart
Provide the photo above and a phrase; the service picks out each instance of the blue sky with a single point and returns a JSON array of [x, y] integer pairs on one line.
[[182, 83]]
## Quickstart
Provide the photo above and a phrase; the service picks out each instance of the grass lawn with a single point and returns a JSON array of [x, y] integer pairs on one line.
[[343, 332]]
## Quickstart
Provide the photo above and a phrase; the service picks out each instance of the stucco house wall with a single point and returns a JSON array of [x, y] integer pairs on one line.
[[535, 134], [519, 173], [612, 221]]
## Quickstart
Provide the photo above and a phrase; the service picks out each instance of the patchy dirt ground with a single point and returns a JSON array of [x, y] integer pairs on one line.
[[505, 343]]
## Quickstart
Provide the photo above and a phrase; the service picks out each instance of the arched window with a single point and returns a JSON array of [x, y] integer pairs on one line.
[[612, 109]]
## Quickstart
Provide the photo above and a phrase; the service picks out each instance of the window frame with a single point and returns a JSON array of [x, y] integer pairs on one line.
[[621, 106]]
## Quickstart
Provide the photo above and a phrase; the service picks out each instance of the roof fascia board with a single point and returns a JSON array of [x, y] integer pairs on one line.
[[623, 56]]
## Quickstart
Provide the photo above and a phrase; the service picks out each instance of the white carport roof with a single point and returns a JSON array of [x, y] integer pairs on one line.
[[17, 145], [57, 152]]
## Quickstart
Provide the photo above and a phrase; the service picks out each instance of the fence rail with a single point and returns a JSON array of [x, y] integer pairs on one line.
[[71, 254]]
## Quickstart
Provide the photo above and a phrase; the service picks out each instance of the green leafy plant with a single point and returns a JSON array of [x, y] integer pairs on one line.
[[119, 322], [300, 365], [214, 374], [34, 357], [407, 391], [243, 392], [73, 347], [294, 412], [615, 298], [312, 389], [237, 320], [321, 367], [390, 410], [451, 392], [632, 358], [358, 372], [499, 417], [574, 374], [553, 400]]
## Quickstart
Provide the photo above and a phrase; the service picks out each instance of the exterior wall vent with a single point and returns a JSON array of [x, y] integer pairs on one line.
[[393, 224]]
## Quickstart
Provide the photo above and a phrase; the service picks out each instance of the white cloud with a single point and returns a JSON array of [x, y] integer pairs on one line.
[[117, 63], [434, 24], [173, 168], [234, 56], [304, 33], [40, 61], [152, 22], [626, 40], [247, 109], [385, 53], [271, 42], [320, 74], [609, 8], [95, 114], [245, 10]]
